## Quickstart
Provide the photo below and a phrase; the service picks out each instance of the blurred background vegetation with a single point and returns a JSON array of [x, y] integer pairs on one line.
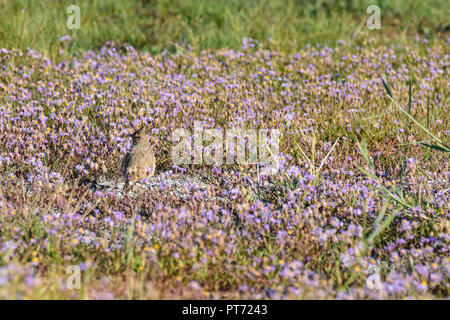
[[171, 25]]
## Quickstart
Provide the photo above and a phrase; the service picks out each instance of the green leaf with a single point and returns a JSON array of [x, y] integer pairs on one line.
[[387, 88]]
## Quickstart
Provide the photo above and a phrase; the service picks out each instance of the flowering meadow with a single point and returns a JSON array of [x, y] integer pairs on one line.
[[359, 208]]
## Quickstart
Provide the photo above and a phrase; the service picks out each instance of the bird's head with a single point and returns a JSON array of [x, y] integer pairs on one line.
[[139, 135]]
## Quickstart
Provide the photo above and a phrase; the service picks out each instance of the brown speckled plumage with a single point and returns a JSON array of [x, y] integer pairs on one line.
[[139, 162]]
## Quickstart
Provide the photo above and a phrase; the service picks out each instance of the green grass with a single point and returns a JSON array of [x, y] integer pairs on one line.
[[168, 24]]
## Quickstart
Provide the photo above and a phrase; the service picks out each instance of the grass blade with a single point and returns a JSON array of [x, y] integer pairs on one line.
[[303, 154], [328, 154], [382, 227], [387, 88], [409, 100], [416, 122], [436, 147], [380, 215]]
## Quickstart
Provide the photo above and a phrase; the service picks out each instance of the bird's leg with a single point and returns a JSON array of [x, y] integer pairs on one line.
[[127, 186]]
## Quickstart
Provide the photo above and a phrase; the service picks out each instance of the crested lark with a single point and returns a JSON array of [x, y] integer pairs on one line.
[[139, 162]]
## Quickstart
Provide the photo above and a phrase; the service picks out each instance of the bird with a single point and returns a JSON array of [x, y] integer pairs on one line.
[[139, 162]]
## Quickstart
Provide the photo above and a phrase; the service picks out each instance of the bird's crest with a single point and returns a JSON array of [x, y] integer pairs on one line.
[[139, 134]]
